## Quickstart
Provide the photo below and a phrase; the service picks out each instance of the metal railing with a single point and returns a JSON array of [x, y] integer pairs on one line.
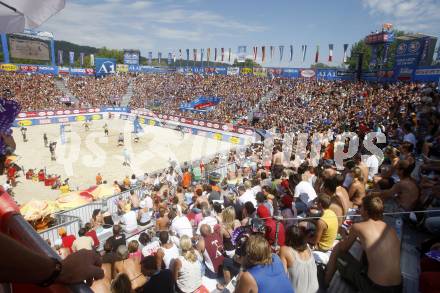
[[70, 223]]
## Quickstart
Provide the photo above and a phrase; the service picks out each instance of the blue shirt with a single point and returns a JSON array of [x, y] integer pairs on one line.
[[271, 278]]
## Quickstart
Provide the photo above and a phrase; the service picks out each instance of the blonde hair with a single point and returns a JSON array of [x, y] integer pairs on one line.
[[187, 249], [133, 246], [228, 217], [258, 251]]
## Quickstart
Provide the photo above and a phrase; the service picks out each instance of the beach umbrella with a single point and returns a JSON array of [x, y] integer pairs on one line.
[[16, 15]]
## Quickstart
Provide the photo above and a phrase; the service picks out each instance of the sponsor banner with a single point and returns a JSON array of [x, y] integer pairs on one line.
[[221, 70], [290, 73], [121, 68], [28, 68], [114, 109], [333, 74], [307, 73], [197, 70], [55, 120], [131, 57], [65, 99], [77, 71], [28, 49], [260, 71], [8, 67], [209, 70], [246, 71], [43, 69], [63, 70], [233, 71], [274, 72], [105, 66], [57, 112], [427, 74]]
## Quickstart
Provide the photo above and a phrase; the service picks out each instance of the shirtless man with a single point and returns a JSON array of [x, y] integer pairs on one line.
[[277, 158], [134, 199], [338, 204], [405, 192], [357, 188], [163, 222], [129, 266], [361, 165], [381, 246], [103, 285]]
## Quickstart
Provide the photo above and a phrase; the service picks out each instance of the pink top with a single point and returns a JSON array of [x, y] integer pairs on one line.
[[135, 255]]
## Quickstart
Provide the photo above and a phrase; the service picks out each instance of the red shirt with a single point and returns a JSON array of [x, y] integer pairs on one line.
[[68, 241], [214, 249], [92, 234]]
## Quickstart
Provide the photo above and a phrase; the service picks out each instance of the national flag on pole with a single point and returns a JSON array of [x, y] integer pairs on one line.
[[202, 52], [229, 55], [271, 52], [170, 58], [159, 57], [317, 54], [304, 52], [195, 55], [150, 58], [71, 57], [255, 49], [215, 54], [180, 54], [174, 57], [330, 52], [345, 53], [291, 53], [92, 60], [208, 54], [263, 53], [223, 54], [60, 57], [187, 55], [281, 48], [81, 58]]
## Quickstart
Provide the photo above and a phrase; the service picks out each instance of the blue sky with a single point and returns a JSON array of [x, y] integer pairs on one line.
[[167, 25]]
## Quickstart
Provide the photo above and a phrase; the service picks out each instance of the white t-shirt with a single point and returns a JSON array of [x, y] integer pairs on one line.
[[148, 202], [182, 226], [130, 221], [373, 166], [305, 191], [211, 221], [248, 196], [151, 248]]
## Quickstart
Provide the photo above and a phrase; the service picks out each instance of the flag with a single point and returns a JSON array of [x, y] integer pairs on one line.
[[263, 53], [170, 58], [208, 54], [174, 57], [180, 54], [81, 58], [71, 57], [159, 57], [317, 54], [304, 52], [241, 52], [345, 53], [330, 52], [291, 53], [223, 54], [150, 58], [60, 57], [92, 60], [187, 55], [215, 54], [271, 52], [195, 55], [438, 54], [255, 53], [202, 52], [229, 55], [281, 48]]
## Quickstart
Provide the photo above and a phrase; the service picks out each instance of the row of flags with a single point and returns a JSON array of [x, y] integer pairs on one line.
[[72, 58], [223, 54], [258, 54]]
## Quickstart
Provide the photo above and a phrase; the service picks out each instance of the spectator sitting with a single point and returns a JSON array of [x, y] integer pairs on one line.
[[67, 240], [133, 250], [109, 255], [121, 284], [130, 267], [167, 251], [187, 270], [92, 234], [211, 247], [129, 220], [160, 281], [299, 262], [97, 219], [271, 226], [326, 226], [180, 225], [207, 218], [83, 242], [117, 239], [264, 270], [150, 246], [144, 215]]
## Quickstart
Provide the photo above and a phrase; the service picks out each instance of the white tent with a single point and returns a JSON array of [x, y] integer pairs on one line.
[[16, 15]]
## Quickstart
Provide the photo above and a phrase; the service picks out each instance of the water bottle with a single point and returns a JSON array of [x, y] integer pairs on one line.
[[398, 227]]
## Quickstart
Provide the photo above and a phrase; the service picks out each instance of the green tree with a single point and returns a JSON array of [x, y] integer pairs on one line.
[[322, 65], [247, 63]]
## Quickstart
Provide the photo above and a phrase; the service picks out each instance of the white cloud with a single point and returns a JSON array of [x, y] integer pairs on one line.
[[143, 24], [409, 15]]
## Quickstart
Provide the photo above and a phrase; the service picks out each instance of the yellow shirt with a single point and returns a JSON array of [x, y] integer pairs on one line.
[[64, 188], [329, 235]]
